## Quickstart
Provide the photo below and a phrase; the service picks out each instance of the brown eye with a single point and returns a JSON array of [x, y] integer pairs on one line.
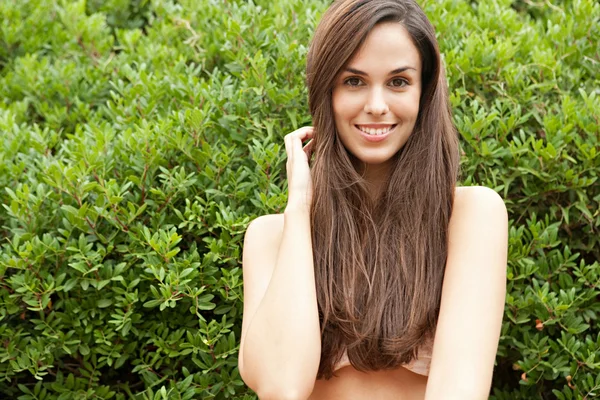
[[354, 81], [399, 82]]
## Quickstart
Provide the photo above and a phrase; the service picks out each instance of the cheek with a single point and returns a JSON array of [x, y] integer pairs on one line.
[[346, 105], [335, 103], [408, 106]]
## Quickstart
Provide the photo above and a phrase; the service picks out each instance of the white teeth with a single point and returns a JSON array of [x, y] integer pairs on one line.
[[375, 132]]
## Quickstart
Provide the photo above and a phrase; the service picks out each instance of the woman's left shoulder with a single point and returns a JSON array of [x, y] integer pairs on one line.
[[477, 206]]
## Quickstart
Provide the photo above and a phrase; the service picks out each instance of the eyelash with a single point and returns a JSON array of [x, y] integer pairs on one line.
[[354, 86]]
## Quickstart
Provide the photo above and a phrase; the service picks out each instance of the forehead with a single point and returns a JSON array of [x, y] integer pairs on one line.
[[386, 47]]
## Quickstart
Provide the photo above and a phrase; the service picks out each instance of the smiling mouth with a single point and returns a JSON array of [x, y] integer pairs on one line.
[[376, 132]]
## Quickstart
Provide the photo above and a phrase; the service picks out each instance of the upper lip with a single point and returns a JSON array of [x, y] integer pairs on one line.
[[375, 126]]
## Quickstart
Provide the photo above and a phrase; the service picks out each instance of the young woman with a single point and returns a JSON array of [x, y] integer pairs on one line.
[[381, 279]]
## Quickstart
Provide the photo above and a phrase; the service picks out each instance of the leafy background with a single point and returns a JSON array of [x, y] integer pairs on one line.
[[139, 138]]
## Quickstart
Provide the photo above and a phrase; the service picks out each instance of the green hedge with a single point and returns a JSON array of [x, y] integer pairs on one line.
[[139, 138]]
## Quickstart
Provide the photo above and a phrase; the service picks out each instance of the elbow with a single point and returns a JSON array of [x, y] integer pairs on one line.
[[276, 392], [275, 387], [265, 391]]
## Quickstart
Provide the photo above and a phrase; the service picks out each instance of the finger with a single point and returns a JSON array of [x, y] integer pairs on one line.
[[305, 128], [308, 133], [301, 140], [308, 149], [293, 140], [309, 136], [296, 148], [304, 133], [286, 140], [300, 134]]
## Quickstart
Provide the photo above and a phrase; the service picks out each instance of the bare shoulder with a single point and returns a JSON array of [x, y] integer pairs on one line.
[[261, 245], [266, 229], [479, 218], [473, 296], [473, 202], [261, 242]]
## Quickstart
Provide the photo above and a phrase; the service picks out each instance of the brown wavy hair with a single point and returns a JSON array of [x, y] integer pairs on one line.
[[379, 263]]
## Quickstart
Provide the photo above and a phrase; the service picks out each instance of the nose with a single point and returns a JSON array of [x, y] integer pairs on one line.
[[376, 103]]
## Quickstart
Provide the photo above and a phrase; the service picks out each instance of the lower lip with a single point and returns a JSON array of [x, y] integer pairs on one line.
[[375, 138]]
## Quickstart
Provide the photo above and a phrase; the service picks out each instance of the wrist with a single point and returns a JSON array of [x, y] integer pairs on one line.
[[297, 208]]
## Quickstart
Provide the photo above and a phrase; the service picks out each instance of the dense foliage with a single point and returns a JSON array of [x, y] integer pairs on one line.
[[139, 138]]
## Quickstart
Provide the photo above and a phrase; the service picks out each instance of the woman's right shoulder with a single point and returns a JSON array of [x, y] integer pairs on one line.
[[261, 246], [269, 220], [265, 230]]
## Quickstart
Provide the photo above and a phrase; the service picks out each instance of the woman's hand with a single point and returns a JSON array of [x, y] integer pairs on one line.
[[298, 171]]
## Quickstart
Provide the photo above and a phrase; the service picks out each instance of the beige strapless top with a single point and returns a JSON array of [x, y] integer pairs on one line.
[[419, 365]]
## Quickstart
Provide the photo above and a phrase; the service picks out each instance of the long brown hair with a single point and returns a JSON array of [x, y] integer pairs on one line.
[[379, 264]]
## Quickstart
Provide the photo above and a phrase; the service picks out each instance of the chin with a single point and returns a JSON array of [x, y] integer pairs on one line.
[[373, 159]]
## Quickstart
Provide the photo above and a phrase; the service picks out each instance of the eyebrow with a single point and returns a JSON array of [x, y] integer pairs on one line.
[[396, 71]]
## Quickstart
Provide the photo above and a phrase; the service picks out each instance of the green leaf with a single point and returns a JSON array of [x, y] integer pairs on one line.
[[104, 303]]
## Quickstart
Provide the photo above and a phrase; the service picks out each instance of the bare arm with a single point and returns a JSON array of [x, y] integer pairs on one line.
[[281, 339], [280, 350], [473, 296]]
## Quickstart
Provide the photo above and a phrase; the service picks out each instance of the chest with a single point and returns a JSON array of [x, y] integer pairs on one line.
[[350, 384]]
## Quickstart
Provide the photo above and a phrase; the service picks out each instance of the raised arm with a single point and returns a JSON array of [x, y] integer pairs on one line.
[[281, 342]]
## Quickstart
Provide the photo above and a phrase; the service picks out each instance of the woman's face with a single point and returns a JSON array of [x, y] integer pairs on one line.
[[379, 89]]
